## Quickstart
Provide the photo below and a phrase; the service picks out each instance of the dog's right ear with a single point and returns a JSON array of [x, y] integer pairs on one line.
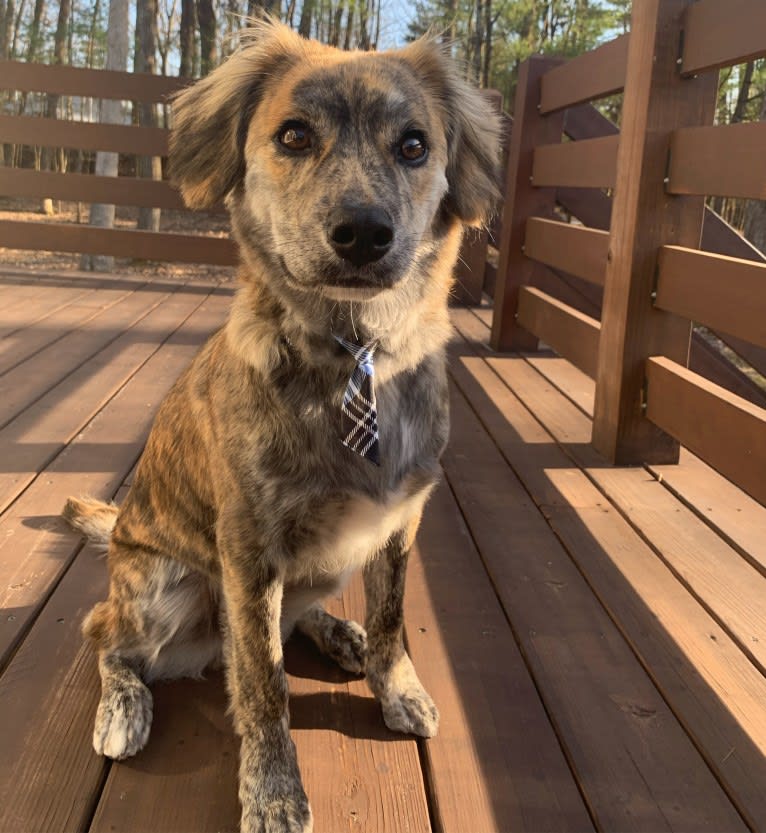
[[210, 118]]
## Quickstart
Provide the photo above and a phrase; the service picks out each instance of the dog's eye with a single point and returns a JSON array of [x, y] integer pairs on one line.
[[413, 147], [295, 136]]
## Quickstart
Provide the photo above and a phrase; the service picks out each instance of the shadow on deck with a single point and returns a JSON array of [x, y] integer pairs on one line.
[[594, 636]]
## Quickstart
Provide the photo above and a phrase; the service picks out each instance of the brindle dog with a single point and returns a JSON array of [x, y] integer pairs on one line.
[[349, 178]]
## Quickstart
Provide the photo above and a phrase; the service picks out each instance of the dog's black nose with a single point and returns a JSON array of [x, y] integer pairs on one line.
[[361, 234]]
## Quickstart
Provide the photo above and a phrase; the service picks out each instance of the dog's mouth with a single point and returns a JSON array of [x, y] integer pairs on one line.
[[341, 284]]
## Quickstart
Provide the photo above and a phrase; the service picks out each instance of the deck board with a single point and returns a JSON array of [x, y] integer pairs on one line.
[[593, 636]]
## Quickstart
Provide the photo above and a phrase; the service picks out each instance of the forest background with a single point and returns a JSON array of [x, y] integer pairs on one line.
[[190, 37]]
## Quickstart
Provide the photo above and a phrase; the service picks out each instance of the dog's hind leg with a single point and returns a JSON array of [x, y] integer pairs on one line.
[[343, 640]]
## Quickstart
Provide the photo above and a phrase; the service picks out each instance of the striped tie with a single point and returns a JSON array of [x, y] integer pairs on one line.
[[359, 415]]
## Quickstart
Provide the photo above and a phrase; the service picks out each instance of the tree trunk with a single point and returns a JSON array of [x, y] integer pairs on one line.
[[743, 95], [186, 69], [117, 46], [13, 49], [304, 27], [52, 100], [349, 28], [145, 60], [34, 39], [755, 212], [207, 28], [364, 34], [7, 13]]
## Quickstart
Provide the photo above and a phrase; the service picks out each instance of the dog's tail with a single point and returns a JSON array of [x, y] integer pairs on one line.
[[94, 518]]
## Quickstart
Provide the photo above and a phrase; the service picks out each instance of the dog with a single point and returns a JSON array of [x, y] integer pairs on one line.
[[304, 439]]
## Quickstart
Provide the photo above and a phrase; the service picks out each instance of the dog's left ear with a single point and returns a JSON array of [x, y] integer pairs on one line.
[[472, 128], [211, 117]]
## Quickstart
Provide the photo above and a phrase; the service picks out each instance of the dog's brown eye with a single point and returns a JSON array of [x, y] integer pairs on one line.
[[413, 148], [296, 137]]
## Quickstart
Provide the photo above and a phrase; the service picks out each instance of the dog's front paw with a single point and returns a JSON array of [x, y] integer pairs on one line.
[[407, 706], [286, 815], [412, 712], [123, 721], [346, 643]]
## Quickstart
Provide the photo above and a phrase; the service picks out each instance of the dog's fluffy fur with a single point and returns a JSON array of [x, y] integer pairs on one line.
[[245, 508]]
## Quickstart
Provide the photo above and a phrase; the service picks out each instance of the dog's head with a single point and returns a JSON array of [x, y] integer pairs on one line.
[[344, 171]]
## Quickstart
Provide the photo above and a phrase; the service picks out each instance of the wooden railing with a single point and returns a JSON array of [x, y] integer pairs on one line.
[[37, 131], [655, 279]]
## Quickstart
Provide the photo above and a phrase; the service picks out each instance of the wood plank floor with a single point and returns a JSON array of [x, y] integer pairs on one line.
[[595, 637]]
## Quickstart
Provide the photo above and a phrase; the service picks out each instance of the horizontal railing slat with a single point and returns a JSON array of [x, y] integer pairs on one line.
[[589, 76], [719, 33], [18, 182], [143, 245], [96, 83], [591, 163], [728, 161], [119, 138], [573, 249], [726, 431], [569, 332], [723, 293]]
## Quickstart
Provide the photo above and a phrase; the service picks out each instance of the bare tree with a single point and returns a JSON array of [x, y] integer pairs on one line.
[[117, 45], [145, 60], [60, 55], [207, 36], [755, 212], [188, 17]]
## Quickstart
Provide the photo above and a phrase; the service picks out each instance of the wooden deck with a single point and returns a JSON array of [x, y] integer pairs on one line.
[[595, 637]]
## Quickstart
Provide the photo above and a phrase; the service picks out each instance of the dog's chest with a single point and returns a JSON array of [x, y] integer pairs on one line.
[[346, 538]]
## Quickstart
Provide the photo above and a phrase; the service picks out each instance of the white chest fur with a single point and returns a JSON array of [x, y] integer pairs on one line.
[[359, 531]]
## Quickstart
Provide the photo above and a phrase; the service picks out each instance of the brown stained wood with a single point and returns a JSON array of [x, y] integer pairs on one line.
[[142, 245], [706, 359], [33, 378], [121, 190], [482, 778], [735, 516], [657, 102], [120, 138], [95, 83], [722, 293], [375, 781], [570, 333], [710, 685], [470, 267], [22, 340], [639, 770], [718, 34], [48, 302], [42, 430], [572, 382], [587, 77], [469, 270], [574, 249], [591, 163], [728, 161], [49, 773], [594, 209], [721, 428], [186, 776], [35, 547], [729, 588], [355, 771], [522, 200]]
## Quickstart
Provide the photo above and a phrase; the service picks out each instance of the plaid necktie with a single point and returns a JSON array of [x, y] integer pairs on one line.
[[359, 416]]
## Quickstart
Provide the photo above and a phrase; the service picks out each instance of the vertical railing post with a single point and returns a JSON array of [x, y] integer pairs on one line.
[[522, 200], [472, 263], [644, 217]]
